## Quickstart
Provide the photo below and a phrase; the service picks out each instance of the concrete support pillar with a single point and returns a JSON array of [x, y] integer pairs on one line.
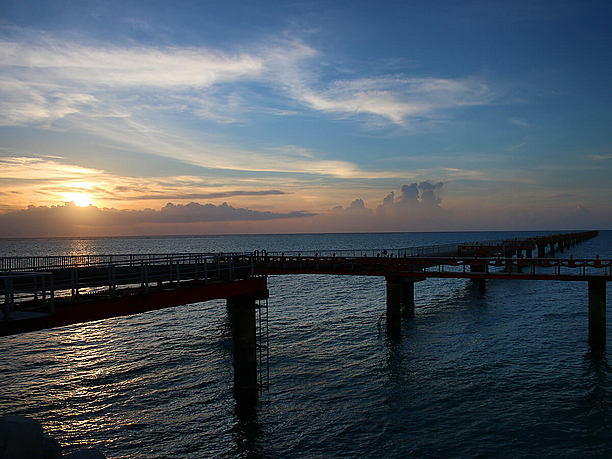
[[508, 254], [400, 302], [528, 253], [478, 269], [552, 249], [597, 315], [241, 311]]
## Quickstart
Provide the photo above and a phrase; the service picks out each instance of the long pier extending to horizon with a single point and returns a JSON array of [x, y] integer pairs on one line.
[[50, 291]]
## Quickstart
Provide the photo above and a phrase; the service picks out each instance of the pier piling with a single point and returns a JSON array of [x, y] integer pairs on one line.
[[597, 315], [400, 302], [541, 250], [479, 268], [241, 311]]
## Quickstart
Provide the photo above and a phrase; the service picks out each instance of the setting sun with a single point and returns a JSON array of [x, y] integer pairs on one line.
[[79, 199]]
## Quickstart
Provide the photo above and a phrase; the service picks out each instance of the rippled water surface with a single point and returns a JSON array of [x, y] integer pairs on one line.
[[500, 372]]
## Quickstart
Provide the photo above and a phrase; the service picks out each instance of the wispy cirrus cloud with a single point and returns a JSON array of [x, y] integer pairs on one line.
[[519, 122], [57, 78], [49, 180], [43, 169], [43, 79], [602, 157], [182, 196], [396, 99], [113, 66], [130, 97]]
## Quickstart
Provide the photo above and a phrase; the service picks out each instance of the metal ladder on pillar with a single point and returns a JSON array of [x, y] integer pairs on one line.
[[263, 345]]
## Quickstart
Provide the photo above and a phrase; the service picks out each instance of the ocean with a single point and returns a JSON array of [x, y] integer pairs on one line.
[[505, 371]]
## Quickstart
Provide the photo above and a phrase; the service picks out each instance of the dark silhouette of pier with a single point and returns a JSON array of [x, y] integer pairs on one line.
[[44, 292]]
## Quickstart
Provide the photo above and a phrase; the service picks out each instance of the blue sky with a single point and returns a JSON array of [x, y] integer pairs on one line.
[[304, 116]]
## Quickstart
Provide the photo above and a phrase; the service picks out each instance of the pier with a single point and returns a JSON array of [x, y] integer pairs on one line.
[[44, 292]]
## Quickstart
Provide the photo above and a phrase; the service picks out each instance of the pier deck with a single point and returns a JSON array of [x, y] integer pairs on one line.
[[42, 292]]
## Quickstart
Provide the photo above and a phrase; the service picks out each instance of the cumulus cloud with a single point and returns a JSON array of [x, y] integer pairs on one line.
[[416, 207], [410, 194], [430, 193], [423, 196], [70, 220], [357, 204], [355, 208]]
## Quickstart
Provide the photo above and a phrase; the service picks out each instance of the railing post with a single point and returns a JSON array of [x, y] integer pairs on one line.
[[43, 288], [52, 294], [36, 288], [146, 272], [8, 293], [110, 279], [74, 287]]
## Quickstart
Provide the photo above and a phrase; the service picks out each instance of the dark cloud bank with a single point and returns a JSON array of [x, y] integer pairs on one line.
[[68, 219]]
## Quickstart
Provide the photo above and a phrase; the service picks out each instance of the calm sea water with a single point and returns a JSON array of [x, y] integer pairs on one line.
[[505, 372]]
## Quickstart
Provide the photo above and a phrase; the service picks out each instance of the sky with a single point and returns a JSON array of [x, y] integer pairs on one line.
[[197, 117]]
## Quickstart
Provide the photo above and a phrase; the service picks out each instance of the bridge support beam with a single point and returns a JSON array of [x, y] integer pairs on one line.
[[597, 315], [241, 312]]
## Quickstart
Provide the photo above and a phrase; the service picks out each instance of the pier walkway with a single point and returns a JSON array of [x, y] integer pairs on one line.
[[49, 291]]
